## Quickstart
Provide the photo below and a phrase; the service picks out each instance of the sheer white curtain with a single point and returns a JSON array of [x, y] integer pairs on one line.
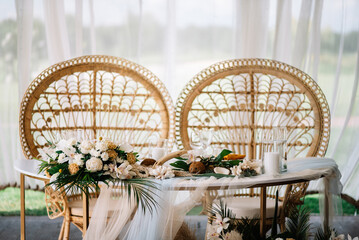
[[176, 39]]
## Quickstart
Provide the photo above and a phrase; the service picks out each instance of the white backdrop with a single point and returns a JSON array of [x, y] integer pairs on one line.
[[175, 40]]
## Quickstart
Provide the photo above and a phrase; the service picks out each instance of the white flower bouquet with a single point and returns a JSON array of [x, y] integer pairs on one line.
[[82, 165]]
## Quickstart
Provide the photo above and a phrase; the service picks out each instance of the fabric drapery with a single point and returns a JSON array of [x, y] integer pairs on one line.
[[176, 40], [175, 197]]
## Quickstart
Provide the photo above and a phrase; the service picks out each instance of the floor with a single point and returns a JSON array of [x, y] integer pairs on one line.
[[41, 228]]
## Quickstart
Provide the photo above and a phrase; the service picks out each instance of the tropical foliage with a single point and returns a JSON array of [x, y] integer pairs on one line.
[[74, 166], [225, 163]]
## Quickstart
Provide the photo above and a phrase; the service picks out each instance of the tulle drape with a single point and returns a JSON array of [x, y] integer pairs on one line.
[[175, 197]]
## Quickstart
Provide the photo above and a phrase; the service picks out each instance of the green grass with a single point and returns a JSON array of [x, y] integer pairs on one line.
[[312, 202], [35, 203], [10, 202]]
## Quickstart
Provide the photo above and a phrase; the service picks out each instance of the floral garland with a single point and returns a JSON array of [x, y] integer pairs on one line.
[[226, 163]]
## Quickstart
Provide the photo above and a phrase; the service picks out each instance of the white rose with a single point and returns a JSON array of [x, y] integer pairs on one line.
[[104, 156], [84, 150], [126, 147], [101, 146], [94, 164], [86, 146], [94, 153], [78, 159]]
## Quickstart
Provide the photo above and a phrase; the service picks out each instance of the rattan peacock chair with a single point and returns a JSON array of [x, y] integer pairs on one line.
[[103, 96], [237, 99]]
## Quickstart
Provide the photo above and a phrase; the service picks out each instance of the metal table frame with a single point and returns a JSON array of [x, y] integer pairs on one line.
[[262, 186], [263, 199]]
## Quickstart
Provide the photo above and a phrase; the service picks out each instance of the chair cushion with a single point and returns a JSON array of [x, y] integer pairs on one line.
[[77, 210], [250, 206]]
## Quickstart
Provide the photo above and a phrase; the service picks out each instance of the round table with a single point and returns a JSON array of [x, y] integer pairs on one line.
[[299, 170]]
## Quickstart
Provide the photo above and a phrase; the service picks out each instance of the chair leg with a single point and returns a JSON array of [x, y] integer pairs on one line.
[[282, 224], [67, 226], [281, 219], [61, 236]]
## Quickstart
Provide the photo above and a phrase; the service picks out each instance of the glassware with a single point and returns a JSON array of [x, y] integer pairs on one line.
[[194, 140], [195, 143], [205, 137], [274, 150], [159, 148]]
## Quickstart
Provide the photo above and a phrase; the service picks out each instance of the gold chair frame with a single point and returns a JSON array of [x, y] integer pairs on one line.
[[108, 96], [241, 97]]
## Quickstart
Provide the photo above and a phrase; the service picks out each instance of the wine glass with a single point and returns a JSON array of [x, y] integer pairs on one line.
[[205, 138], [195, 140], [195, 143]]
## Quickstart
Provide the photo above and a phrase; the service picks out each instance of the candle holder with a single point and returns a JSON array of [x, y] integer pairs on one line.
[[159, 149], [274, 150]]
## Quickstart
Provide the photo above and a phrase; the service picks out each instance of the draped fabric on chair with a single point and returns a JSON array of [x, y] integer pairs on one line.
[[176, 39]]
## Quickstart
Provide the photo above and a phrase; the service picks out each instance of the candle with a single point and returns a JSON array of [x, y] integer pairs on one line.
[[271, 162], [158, 152]]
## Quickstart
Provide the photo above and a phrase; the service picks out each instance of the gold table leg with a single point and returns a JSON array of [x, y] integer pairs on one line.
[[85, 206], [22, 206], [263, 208]]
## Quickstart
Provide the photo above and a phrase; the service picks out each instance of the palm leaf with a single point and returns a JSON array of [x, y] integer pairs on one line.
[[323, 235], [249, 228], [297, 224], [143, 190], [221, 209]]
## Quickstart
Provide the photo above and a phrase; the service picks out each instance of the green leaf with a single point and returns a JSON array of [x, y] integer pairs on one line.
[[230, 163], [297, 224], [55, 168], [181, 165], [220, 156]]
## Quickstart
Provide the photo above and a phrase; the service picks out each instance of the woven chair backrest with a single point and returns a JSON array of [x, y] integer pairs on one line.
[[103, 96], [242, 99]]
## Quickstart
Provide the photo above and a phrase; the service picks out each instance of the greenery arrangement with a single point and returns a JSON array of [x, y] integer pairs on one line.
[[224, 225], [74, 166], [226, 163]]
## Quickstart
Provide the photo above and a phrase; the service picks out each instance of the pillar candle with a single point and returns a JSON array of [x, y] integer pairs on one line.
[[271, 162]]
